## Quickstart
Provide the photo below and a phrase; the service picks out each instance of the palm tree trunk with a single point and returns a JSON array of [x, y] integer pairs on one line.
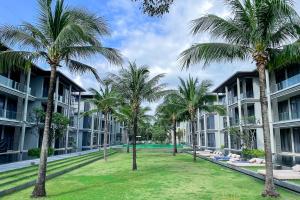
[[127, 138], [105, 137], [194, 140], [269, 182], [135, 129], [174, 141], [39, 189]]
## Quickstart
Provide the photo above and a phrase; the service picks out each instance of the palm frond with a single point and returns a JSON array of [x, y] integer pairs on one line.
[[78, 67]]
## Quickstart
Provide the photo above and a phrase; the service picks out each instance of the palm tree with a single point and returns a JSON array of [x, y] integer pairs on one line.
[[124, 114], [61, 36], [191, 96], [136, 86], [170, 110], [256, 30], [105, 101]]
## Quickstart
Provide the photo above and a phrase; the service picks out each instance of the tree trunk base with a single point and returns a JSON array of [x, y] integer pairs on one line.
[[39, 191], [272, 194]]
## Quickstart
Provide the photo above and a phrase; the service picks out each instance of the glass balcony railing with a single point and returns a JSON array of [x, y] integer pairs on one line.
[[287, 83], [12, 84], [283, 116], [234, 121], [232, 100], [9, 114], [247, 95]]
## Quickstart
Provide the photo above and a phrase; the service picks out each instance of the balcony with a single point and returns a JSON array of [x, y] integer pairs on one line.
[[9, 114], [283, 116], [234, 121], [247, 95], [232, 100], [286, 83], [12, 84]]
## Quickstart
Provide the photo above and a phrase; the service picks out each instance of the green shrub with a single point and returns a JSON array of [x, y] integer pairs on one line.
[[253, 153], [35, 152]]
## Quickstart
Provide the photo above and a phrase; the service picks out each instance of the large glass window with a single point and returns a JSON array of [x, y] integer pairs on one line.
[[210, 122], [202, 139], [285, 138], [235, 142], [225, 140], [296, 134], [249, 88], [202, 123], [295, 107], [283, 110], [211, 142]]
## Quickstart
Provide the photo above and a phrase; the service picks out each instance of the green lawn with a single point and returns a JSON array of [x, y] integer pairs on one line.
[[160, 176]]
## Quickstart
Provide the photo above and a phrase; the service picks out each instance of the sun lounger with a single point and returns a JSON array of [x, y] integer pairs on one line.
[[245, 164], [283, 174]]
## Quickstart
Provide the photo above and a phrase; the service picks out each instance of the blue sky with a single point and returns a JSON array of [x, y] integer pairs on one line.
[[156, 42]]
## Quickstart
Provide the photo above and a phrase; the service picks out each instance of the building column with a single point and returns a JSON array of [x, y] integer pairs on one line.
[[239, 104], [68, 115], [205, 130], [218, 145], [23, 131], [227, 117], [271, 120], [92, 132], [99, 129], [78, 122]]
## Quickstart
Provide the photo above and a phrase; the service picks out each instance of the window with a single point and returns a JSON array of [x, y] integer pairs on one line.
[[210, 122], [86, 139], [225, 140], [249, 88], [202, 123], [283, 110], [202, 139], [295, 107], [235, 142], [296, 134], [211, 142], [285, 138]]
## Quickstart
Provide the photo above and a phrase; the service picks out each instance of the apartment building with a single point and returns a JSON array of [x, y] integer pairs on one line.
[[21, 93], [239, 94]]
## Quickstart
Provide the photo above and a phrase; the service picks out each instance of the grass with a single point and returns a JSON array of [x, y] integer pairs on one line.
[[17, 177], [159, 176]]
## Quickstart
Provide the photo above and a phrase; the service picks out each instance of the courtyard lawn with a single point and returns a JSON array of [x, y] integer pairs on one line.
[[159, 176]]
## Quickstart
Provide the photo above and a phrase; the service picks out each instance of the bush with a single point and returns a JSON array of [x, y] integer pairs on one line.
[[37, 151], [253, 153]]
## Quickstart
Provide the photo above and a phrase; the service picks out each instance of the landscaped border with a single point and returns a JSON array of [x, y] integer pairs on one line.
[[32, 183], [287, 185]]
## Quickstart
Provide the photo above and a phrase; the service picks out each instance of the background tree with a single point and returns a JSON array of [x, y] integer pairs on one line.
[[159, 133], [155, 7], [171, 111], [256, 30], [191, 96], [61, 35], [136, 86], [105, 101]]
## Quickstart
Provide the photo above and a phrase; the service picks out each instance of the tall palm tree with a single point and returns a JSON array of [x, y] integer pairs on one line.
[[136, 86], [192, 96], [61, 36], [256, 30], [170, 110], [105, 101]]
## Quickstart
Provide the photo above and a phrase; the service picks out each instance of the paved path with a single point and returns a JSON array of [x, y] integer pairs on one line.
[[26, 163]]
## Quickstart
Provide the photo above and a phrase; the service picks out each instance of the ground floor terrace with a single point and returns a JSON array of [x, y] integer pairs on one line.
[[11, 141], [159, 176]]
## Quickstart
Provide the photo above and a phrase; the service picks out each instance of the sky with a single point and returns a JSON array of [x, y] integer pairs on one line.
[[151, 41]]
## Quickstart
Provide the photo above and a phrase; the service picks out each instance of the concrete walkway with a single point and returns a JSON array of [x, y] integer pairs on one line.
[[26, 163]]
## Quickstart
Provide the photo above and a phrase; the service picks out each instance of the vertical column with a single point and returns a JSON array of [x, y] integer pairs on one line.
[[92, 132], [68, 115], [271, 120], [205, 129], [198, 130], [227, 118], [100, 129], [239, 104], [78, 122], [25, 111], [218, 144]]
